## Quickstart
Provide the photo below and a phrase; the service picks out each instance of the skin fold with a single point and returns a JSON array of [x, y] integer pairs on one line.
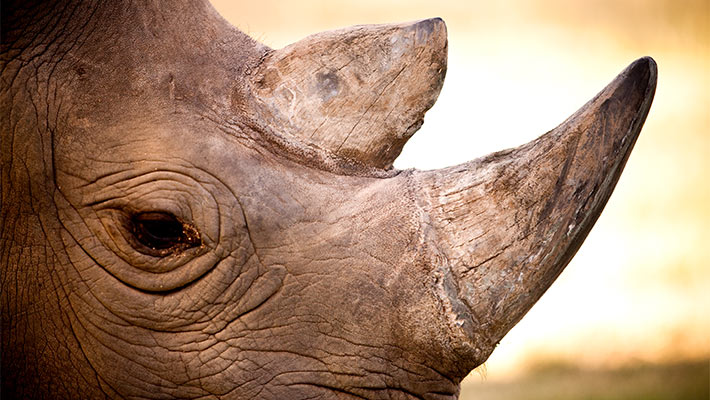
[[187, 213]]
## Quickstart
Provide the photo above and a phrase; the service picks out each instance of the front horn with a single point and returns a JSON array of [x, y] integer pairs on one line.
[[507, 224]]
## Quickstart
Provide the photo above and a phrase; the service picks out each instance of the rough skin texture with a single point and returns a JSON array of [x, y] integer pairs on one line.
[[171, 228]]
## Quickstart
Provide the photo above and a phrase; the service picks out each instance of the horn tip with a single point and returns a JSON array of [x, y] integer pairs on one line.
[[644, 69], [431, 24], [643, 74]]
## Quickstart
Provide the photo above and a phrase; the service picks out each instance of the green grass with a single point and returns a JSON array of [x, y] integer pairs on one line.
[[557, 381]]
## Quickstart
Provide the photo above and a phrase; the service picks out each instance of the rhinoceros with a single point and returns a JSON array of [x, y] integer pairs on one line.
[[187, 213]]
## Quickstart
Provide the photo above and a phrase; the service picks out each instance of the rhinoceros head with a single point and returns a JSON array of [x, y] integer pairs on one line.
[[187, 213]]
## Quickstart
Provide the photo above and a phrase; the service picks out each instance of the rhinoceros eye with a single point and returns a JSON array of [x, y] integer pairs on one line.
[[163, 232]]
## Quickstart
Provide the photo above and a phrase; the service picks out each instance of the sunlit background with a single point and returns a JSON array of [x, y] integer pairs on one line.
[[637, 295]]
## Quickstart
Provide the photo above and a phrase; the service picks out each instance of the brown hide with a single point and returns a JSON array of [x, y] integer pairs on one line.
[[187, 213]]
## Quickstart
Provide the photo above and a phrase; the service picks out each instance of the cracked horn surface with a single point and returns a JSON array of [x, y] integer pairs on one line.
[[509, 223], [359, 92]]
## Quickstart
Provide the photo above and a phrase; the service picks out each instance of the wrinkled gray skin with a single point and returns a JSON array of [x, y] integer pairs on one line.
[[294, 274]]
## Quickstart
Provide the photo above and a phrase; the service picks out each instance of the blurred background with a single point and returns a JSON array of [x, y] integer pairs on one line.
[[630, 316]]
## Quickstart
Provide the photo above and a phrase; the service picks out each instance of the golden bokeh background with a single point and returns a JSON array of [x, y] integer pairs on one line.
[[638, 290]]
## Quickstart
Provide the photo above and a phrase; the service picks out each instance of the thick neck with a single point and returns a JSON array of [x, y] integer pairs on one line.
[[45, 28], [50, 29]]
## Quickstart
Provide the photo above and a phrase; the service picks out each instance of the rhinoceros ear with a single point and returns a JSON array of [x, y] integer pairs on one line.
[[359, 92]]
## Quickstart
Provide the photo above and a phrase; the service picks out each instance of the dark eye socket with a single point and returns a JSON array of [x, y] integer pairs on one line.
[[163, 231]]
